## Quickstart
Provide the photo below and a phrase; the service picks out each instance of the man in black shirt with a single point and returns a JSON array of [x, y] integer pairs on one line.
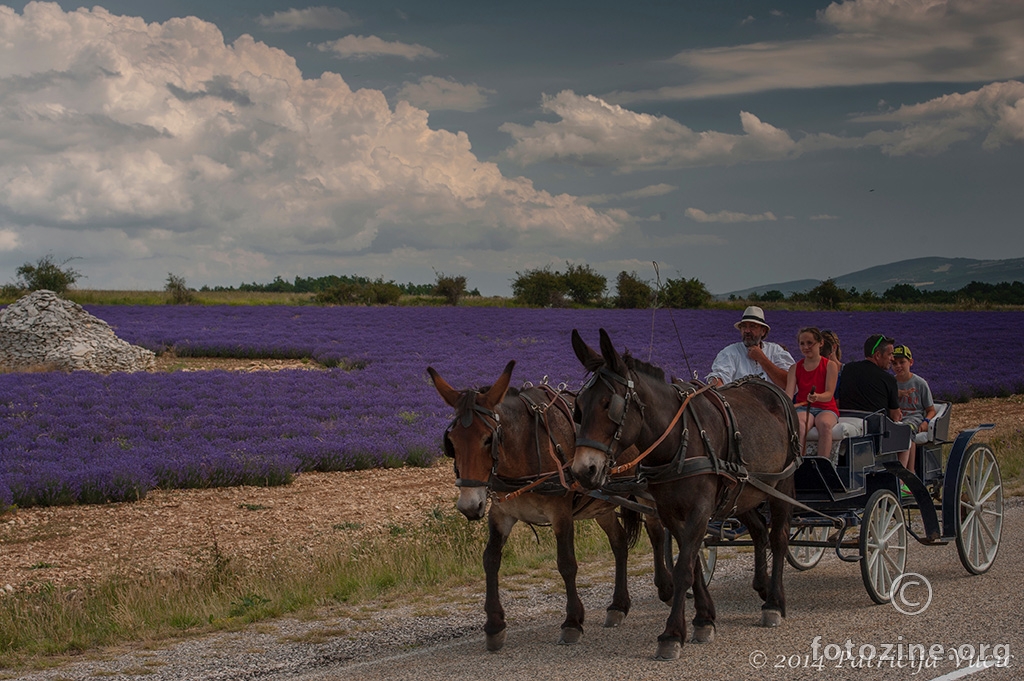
[[867, 385]]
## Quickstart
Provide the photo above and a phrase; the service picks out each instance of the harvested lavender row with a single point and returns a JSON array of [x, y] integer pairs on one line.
[[82, 437]]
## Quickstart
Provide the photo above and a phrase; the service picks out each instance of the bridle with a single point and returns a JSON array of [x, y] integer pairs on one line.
[[618, 407], [492, 420]]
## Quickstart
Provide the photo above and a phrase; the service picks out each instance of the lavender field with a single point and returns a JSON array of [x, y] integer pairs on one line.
[[85, 438]]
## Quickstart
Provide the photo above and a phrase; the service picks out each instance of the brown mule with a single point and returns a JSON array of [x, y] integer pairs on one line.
[[704, 452], [505, 441]]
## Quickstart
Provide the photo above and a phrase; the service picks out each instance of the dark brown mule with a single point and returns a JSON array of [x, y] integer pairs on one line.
[[504, 440], [713, 441]]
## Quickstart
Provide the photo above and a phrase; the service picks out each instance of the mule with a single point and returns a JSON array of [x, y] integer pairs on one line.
[[513, 447], [707, 454]]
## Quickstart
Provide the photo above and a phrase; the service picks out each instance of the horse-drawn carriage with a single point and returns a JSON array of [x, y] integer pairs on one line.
[[731, 455]]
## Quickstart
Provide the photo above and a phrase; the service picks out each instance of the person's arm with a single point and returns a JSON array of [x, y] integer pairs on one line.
[[791, 381], [722, 369], [777, 374]]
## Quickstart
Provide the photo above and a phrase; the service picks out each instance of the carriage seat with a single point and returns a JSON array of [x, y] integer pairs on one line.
[[848, 426], [938, 427]]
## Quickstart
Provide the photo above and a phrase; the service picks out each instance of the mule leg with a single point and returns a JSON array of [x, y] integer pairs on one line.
[[688, 535], [662, 571], [572, 627], [704, 607], [758, 530], [774, 608], [619, 607], [499, 526]]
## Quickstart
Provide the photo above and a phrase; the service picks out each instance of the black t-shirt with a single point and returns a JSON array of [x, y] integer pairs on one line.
[[867, 387]]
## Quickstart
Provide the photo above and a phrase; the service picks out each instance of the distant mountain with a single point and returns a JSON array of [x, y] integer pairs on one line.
[[928, 274]]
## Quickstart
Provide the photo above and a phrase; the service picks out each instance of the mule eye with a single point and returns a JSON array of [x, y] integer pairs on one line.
[[488, 440]]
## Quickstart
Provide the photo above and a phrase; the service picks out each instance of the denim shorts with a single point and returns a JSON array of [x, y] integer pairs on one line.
[[814, 410]]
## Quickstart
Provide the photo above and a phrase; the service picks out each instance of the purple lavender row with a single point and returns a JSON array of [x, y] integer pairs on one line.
[[88, 438]]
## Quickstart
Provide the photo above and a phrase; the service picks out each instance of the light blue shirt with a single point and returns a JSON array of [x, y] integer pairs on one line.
[[732, 362]]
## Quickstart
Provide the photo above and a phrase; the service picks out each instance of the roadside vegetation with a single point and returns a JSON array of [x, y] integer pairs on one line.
[[424, 564]]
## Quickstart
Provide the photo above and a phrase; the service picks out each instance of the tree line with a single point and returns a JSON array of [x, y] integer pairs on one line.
[[579, 285], [828, 295]]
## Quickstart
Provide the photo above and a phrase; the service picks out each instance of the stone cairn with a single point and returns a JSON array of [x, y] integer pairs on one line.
[[43, 329]]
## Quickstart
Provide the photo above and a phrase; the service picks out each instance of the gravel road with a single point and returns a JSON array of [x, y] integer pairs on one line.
[[968, 616]]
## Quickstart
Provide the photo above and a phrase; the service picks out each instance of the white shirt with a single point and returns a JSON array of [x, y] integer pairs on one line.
[[732, 362]]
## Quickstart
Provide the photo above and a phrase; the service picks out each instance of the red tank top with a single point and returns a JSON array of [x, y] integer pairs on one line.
[[816, 378]]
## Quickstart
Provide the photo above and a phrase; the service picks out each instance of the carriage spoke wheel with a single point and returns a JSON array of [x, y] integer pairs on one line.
[[980, 521], [883, 544], [806, 557]]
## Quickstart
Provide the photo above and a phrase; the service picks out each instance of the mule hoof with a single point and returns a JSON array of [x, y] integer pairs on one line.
[[771, 618], [614, 618], [496, 642], [704, 634], [669, 650], [570, 636]]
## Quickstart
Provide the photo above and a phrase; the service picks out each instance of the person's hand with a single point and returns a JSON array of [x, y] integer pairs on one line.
[[923, 428], [755, 353]]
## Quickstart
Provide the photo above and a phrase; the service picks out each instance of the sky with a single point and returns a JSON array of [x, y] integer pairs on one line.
[[741, 143]]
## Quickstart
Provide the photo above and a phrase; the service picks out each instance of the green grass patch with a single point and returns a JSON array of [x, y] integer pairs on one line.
[[431, 560]]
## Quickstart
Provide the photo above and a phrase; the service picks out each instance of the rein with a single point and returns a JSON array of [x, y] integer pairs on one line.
[[675, 419]]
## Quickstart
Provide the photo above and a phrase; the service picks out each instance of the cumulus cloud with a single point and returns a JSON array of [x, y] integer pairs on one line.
[[698, 215], [444, 94], [370, 46], [169, 138], [310, 18], [594, 132], [647, 192], [824, 216], [863, 42]]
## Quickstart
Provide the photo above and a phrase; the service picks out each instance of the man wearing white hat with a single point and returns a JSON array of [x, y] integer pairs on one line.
[[752, 356]]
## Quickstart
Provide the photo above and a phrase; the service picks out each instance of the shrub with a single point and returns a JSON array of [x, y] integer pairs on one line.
[[450, 288], [378, 292], [632, 292], [46, 274], [178, 290], [540, 287], [583, 284], [685, 293]]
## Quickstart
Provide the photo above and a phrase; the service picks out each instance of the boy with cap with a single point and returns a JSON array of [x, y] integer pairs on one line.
[[914, 394]]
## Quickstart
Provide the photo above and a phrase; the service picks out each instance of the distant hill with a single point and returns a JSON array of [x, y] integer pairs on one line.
[[928, 274]]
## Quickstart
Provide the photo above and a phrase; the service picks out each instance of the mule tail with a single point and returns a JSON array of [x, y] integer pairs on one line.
[[632, 522]]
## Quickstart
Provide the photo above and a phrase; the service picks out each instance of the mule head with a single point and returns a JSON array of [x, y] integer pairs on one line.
[[473, 438], [606, 426]]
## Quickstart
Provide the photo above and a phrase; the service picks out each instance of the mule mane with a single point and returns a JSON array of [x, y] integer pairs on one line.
[[642, 367]]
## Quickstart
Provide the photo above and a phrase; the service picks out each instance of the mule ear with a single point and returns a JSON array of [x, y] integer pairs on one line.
[[448, 393], [496, 394], [611, 357], [587, 357]]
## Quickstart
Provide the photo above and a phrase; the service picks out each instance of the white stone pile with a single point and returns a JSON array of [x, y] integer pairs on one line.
[[43, 329]]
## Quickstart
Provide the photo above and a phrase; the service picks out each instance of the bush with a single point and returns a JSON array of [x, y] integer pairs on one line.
[[377, 292], [633, 292], [583, 285], [540, 287], [46, 274], [178, 290], [685, 293], [450, 288]]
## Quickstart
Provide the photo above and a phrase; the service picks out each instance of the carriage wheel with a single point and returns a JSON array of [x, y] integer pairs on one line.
[[981, 509], [806, 557], [883, 544]]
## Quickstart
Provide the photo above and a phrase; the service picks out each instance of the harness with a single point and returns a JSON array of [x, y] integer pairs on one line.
[[541, 483], [729, 466]]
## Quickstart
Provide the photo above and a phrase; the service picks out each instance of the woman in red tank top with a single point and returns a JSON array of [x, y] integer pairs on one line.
[[812, 383]]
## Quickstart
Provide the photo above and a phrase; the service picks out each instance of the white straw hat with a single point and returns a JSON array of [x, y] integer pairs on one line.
[[753, 314]]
